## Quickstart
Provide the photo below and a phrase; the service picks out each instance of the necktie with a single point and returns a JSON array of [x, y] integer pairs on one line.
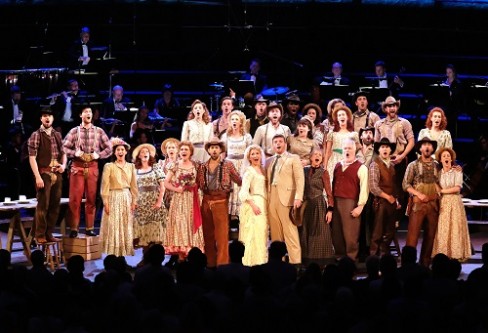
[[274, 167]]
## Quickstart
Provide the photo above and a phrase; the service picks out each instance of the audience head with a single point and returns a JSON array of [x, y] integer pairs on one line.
[[409, 255], [277, 250], [76, 264], [37, 258], [109, 262], [155, 255], [236, 251], [373, 266], [5, 259], [484, 253]]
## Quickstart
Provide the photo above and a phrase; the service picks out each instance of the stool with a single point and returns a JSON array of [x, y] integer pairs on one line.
[[52, 253]]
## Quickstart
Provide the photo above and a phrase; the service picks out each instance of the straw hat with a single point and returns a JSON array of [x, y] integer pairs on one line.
[[148, 146]]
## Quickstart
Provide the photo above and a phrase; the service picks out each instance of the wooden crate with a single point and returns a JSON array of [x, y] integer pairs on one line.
[[87, 247]]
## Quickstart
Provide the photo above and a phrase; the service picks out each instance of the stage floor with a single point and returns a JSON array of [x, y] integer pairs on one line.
[[94, 267]]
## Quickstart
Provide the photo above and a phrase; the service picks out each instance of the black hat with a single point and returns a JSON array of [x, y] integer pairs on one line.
[[425, 139], [261, 99], [382, 142], [363, 129], [46, 110], [358, 94], [292, 98]]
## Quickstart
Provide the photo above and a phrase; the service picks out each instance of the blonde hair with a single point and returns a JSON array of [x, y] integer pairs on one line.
[[242, 120]]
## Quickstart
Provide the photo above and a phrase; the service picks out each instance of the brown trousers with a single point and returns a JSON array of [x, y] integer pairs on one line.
[[423, 211], [83, 180], [345, 228], [384, 226], [215, 227], [47, 210]]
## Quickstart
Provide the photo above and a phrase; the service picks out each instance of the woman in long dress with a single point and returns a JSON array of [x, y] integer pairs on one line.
[[314, 112], [198, 129], [236, 141], [184, 229], [301, 142], [119, 194], [150, 215], [435, 129], [343, 129], [452, 237], [253, 228], [169, 149], [315, 234]]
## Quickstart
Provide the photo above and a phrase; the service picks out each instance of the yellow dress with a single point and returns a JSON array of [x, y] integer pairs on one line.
[[119, 192], [253, 229], [452, 237]]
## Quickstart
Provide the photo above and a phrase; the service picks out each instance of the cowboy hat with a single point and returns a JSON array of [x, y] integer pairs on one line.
[[274, 105], [292, 98], [148, 146], [215, 141], [364, 129], [358, 94], [390, 100], [116, 141], [425, 139], [384, 142]]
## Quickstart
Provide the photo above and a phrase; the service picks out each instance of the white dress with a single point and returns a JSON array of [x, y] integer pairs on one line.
[[197, 133], [253, 229], [235, 153]]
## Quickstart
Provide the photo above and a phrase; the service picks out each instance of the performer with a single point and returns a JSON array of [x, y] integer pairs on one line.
[[329, 121], [421, 181], [258, 118], [265, 133], [198, 130], [350, 190], [292, 108], [452, 237], [362, 117], [85, 144], [342, 130], [48, 162], [150, 215], [236, 141], [119, 194], [435, 128], [215, 179], [184, 228], [301, 142], [285, 188], [221, 124], [398, 130], [253, 216], [315, 235], [366, 136], [169, 149], [383, 186], [314, 112]]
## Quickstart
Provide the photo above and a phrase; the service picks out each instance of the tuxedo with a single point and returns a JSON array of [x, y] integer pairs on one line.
[[76, 51], [286, 182]]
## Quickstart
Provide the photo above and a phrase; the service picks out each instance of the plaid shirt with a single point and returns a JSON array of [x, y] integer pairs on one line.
[[228, 174], [90, 139], [35, 139]]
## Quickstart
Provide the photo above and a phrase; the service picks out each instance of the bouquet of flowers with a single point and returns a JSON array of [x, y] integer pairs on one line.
[[186, 180]]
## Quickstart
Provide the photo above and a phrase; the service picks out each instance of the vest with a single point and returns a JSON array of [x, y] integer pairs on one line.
[[44, 154], [346, 183], [387, 177]]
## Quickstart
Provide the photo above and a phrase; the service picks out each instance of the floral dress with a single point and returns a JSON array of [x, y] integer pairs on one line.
[[149, 223], [182, 233]]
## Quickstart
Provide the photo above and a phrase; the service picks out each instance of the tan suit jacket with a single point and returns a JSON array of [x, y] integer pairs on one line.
[[289, 178]]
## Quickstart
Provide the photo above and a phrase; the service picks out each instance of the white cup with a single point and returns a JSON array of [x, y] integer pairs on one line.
[[7, 199], [22, 198]]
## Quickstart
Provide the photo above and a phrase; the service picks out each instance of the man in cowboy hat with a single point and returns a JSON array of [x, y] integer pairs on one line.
[[366, 135], [292, 108], [384, 188], [420, 182], [258, 118], [47, 161], [362, 117], [398, 130], [265, 133], [85, 144], [215, 179]]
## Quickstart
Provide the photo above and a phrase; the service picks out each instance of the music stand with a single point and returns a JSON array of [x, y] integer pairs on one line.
[[328, 92], [242, 87], [376, 95], [438, 94]]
